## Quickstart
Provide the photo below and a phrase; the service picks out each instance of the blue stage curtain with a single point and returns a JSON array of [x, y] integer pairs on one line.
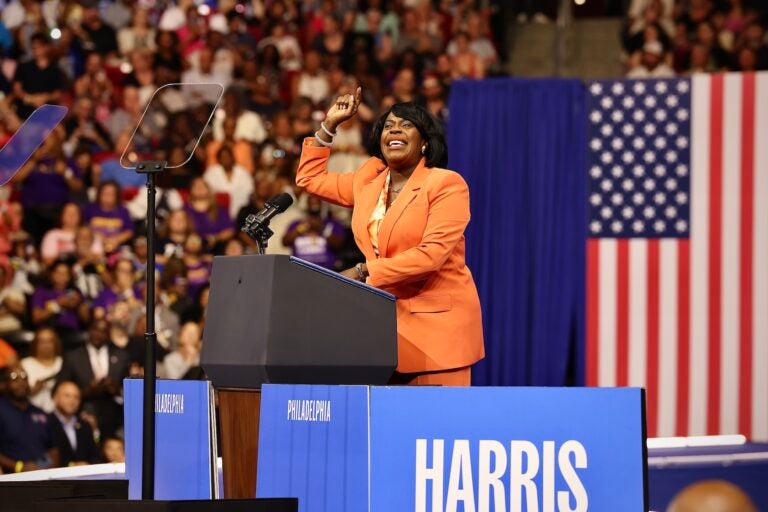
[[521, 146]]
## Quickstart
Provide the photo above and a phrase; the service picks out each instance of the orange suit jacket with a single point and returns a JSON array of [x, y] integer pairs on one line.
[[421, 256]]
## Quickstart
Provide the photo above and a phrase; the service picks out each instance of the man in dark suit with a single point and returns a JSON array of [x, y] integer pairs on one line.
[[74, 438], [98, 368]]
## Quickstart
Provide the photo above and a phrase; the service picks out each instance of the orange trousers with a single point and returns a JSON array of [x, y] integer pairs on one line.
[[452, 377]]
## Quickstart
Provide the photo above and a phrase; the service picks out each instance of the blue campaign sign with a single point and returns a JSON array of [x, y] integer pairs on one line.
[[185, 456], [313, 444], [507, 449]]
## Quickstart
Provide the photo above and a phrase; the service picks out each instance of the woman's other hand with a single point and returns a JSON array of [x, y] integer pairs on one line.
[[351, 273]]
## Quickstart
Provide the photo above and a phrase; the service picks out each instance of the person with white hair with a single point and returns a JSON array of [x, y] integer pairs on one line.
[[652, 63]]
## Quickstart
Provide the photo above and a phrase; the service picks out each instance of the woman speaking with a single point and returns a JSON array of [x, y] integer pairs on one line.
[[408, 219]]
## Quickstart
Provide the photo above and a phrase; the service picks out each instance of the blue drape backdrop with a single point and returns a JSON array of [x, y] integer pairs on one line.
[[521, 146]]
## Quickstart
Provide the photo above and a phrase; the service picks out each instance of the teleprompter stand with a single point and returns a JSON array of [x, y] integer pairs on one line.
[[151, 169]]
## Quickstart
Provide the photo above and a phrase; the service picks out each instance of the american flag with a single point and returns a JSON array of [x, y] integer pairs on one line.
[[677, 255]]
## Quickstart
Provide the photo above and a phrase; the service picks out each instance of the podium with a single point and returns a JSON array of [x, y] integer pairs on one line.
[[281, 320]]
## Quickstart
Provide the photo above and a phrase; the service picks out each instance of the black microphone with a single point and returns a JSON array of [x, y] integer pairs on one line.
[[274, 205]]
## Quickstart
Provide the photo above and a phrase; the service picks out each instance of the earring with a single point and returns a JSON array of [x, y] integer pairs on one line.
[[423, 149]]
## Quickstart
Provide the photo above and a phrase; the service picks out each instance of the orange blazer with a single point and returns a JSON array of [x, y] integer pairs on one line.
[[421, 261]]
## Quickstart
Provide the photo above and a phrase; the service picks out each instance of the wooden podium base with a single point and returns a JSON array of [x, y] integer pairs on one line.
[[239, 410]]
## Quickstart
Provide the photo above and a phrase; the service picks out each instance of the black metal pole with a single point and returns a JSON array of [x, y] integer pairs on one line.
[[148, 426]]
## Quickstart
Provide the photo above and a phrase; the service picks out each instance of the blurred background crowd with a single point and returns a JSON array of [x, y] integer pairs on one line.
[[664, 38], [73, 250]]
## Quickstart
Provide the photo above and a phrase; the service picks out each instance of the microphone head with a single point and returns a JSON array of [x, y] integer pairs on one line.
[[281, 201]]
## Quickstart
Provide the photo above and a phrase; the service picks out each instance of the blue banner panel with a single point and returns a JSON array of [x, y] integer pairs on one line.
[[506, 449], [313, 444], [184, 442]]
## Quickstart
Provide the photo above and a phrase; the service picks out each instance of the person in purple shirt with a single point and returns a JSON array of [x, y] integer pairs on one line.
[[314, 238], [198, 265], [211, 221], [46, 185], [123, 288], [108, 218], [59, 305]]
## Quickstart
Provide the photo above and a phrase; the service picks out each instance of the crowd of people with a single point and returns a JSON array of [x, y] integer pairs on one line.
[[73, 246], [664, 38]]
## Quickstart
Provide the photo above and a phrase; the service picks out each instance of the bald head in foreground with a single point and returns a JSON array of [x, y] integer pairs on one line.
[[712, 496]]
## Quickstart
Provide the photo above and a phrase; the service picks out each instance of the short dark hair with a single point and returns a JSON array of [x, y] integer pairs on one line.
[[40, 37], [60, 383], [115, 185], [430, 129]]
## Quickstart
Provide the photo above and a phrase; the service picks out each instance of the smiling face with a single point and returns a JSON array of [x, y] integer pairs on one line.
[[400, 142]]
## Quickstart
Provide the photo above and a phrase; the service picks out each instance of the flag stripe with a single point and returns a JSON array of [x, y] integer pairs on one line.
[[699, 290], [683, 336], [593, 309], [730, 179], [667, 383], [638, 303], [715, 232], [653, 337], [622, 320], [607, 307], [744, 393], [760, 268]]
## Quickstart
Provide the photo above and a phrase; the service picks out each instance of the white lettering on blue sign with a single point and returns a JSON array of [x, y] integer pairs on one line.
[[309, 410], [522, 463], [169, 403]]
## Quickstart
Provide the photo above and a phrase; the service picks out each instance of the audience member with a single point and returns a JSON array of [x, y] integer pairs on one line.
[[38, 81], [187, 355], [43, 366], [651, 64], [13, 307], [210, 220], [98, 368], [241, 149], [25, 442], [46, 185], [315, 238], [122, 287], [74, 439], [59, 242], [108, 218], [59, 304], [113, 450], [231, 178]]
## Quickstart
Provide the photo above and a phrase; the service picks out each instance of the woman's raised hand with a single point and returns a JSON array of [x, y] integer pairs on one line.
[[343, 109]]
